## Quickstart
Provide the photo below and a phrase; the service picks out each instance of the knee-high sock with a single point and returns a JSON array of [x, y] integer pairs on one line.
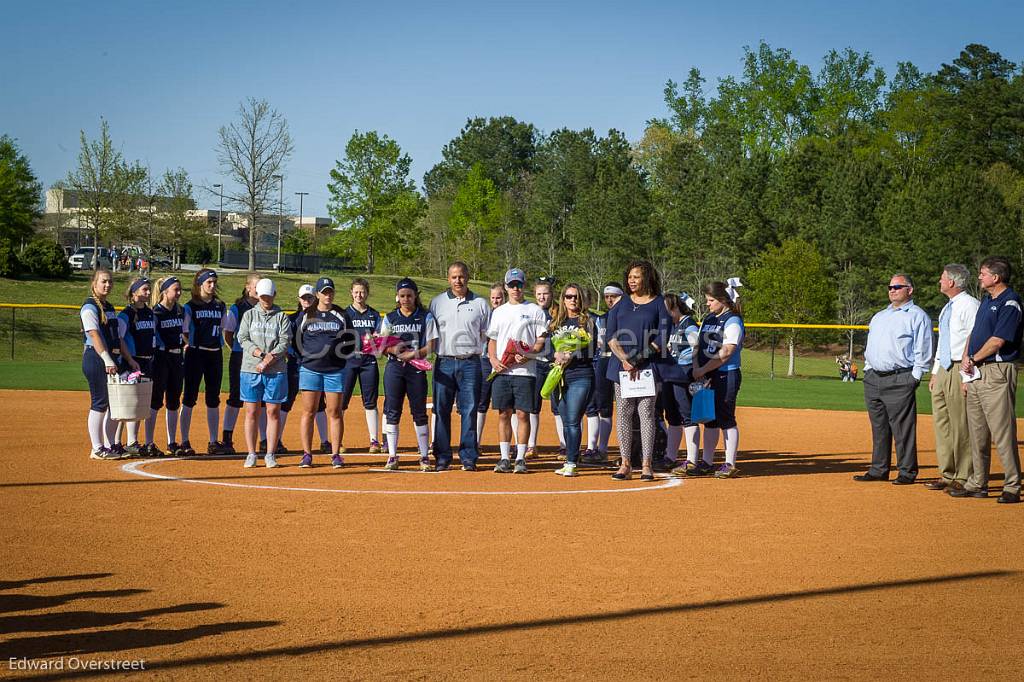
[[230, 417], [515, 428], [606, 433], [109, 429], [263, 424], [391, 434], [186, 423], [132, 430], [423, 438], [481, 419], [731, 436], [433, 425], [710, 443], [321, 427], [372, 423], [692, 443], [534, 428], [150, 426], [213, 422], [593, 432], [117, 431], [171, 421], [95, 425], [675, 437], [559, 431]]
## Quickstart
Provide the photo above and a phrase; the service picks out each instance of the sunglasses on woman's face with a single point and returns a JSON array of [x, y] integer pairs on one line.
[[570, 297]]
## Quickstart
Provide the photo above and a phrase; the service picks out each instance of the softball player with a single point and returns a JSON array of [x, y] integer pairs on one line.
[[204, 358], [324, 341], [599, 411], [415, 326], [168, 360], [243, 303], [718, 356], [264, 333], [497, 298], [677, 377], [307, 297], [101, 332], [140, 338], [365, 320]]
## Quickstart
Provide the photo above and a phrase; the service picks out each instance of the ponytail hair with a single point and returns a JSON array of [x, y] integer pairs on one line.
[[100, 270], [719, 292]]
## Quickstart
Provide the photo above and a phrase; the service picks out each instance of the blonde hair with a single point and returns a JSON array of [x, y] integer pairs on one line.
[[560, 311], [92, 291]]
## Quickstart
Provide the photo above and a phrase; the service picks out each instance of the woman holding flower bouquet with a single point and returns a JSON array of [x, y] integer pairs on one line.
[[571, 379]]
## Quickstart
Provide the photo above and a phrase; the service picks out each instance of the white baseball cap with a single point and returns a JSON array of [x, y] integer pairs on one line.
[[306, 290], [265, 287]]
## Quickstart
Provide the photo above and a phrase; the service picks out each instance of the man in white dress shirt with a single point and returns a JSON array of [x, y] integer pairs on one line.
[[949, 408]]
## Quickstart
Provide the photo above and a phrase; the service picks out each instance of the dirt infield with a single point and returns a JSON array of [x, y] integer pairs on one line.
[[791, 571]]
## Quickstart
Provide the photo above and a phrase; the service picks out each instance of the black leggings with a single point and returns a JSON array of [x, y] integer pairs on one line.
[[168, 378], [206, 366]]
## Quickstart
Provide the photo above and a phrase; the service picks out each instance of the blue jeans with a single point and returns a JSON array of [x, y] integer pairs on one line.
[[572, 402], [462, 378]]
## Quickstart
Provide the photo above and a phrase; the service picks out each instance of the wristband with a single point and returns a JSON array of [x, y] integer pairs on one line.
[[108, 359]]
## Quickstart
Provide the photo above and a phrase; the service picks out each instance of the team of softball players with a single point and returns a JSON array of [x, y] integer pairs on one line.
[[315, 356]]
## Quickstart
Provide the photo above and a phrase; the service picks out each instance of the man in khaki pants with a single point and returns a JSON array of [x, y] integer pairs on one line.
[[949, 409], [992, 350]]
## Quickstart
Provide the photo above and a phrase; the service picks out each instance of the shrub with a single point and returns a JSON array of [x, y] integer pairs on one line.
[[43, 258], [10, 266]]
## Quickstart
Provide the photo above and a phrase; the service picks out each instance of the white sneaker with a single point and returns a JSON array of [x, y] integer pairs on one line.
[[271, 461], [567, 470], [250, 460]]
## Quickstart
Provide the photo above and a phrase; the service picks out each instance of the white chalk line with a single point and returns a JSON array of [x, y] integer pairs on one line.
[[136, 468]]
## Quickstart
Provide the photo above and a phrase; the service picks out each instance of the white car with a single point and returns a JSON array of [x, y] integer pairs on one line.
[[83, 257]]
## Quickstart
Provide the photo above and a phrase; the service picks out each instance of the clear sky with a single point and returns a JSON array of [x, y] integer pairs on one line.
[[167, 75]]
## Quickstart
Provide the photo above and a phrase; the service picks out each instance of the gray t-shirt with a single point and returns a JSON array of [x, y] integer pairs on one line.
[[461, 323]]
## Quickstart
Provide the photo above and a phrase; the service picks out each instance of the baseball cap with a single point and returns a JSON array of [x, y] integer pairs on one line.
[[265, 287], [515, 275], [406, 283], [306, 290], [324, 283]]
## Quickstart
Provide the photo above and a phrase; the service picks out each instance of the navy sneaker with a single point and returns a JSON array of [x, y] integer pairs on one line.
[[307, 461]]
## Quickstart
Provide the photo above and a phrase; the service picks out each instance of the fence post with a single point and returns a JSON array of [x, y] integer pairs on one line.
[[13, 311], [771, 373]]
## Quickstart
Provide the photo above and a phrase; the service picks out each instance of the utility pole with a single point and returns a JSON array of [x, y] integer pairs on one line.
[[280, 216], [302, 195], [220, 217]]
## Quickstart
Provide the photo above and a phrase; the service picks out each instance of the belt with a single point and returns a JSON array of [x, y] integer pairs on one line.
[[459, 357], [216, 350], [176, 351], [898, 370], [143, 357]]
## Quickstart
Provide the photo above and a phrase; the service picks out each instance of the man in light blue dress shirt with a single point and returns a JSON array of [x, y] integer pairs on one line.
[[898, 353]]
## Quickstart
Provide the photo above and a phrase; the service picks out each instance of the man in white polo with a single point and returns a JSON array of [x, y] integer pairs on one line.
[[949, 409], [514, 389]]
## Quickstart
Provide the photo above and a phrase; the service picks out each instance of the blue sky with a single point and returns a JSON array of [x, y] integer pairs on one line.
[[167, 75]]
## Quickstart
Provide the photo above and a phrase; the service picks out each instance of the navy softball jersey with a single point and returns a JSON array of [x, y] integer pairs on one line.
[[169, 325], [401, 379], [363, 323], [141, 331], [92, 365], [203, 323], [168, 361], [109, 331], [326, 339]]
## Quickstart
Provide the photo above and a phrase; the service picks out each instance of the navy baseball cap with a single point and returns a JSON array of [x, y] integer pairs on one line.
[[515, 275], [406, 283], [324, 283]]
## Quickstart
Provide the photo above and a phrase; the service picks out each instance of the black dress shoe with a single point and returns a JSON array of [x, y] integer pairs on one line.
[[936, 485], [964, 492], [1008, 498], [900, 480], [870, 477]]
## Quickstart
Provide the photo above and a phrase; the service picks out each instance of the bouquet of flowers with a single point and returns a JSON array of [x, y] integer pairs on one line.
[[374, 344], [565, 340], [508, 358]]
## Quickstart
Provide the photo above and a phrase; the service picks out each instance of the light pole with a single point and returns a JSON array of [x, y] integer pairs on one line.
[[302, 195], [220, 217], [280, 215]]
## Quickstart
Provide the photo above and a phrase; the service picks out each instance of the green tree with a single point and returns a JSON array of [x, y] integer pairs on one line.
[[177, 228], [504, 147], [19, 192], [849, 90], [476, 214], [372, 198], [789, 283]]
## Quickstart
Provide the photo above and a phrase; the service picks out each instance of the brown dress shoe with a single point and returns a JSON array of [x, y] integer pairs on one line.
[[954, 486], [936, 485]]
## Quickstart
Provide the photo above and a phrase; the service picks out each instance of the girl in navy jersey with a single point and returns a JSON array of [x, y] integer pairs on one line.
[[102, 335], [204, 358], [675, 392], [718, 357], [324, 341], [140, 337], [168, 359], [415, 326], [365, 320], [307, 297], [244, 302]]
